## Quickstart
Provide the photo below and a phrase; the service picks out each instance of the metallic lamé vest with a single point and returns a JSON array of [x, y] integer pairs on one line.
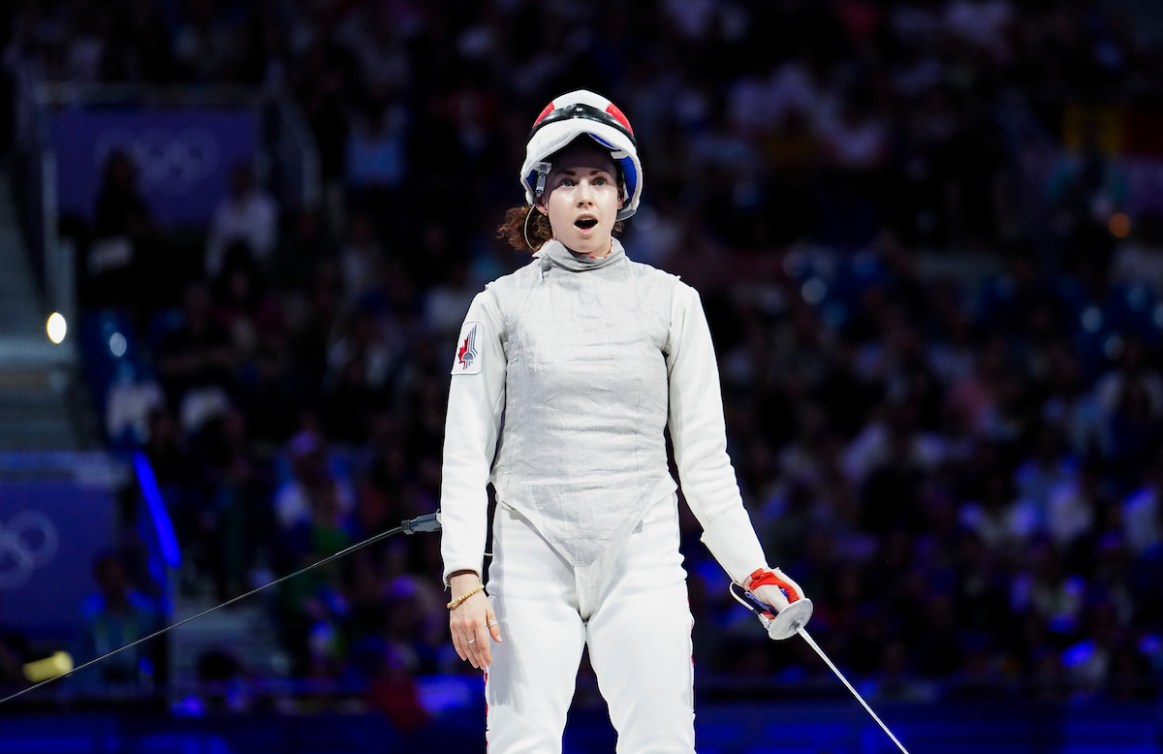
[[582, 452]]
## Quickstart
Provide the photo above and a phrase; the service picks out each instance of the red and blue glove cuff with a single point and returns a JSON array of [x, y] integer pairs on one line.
[[762, 576]]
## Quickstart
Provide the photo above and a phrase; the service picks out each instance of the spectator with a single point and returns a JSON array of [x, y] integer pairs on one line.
[[14, 652], [311, 479], [362, 261], [1130, 397], [376, 165], [131, 398], [905, 348], [123, 237], [313, 608], [245, 222], [1138, 260], [1142, 511], [112, 617], [197, 360]]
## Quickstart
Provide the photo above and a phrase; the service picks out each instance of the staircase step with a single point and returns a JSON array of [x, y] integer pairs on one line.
[[14, 287], [34, 351], [27, 379], [43, 415], [21, 318], [26, 439], [20, 321], [245, 631]]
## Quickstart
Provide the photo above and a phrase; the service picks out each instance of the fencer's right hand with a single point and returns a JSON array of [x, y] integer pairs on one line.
[[775, 588], [793, 609], [473, 622]]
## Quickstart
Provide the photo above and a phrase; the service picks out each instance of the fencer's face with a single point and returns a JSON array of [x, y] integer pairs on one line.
[[582, 199]]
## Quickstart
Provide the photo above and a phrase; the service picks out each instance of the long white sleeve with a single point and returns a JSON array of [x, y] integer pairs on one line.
[[698, 432], [476, 401]]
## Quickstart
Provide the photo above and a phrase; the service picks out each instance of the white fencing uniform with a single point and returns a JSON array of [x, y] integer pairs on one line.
[[567, 372]]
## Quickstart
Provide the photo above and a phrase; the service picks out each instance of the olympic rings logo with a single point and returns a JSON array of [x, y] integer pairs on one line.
[[29, 541], [171, 162]]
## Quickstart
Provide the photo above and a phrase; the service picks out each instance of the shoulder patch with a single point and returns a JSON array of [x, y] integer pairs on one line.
[[468, 356]]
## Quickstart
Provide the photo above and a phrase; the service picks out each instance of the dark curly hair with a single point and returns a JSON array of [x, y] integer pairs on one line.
[[512, 228]]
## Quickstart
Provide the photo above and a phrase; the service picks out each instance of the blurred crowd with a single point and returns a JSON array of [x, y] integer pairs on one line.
[[938, 319]]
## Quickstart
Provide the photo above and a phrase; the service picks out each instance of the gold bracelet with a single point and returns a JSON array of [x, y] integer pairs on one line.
[[456, 602]]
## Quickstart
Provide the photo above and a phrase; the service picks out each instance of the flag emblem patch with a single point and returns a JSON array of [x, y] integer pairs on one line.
[[467, 356]]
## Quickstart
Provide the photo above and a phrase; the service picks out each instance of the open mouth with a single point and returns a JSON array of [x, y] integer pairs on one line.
[[585, 223]]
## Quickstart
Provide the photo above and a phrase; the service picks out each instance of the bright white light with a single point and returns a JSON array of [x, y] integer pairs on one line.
[[117, 344], [56, 327]]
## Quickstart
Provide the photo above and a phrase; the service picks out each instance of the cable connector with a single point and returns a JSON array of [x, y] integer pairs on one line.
[[428, 522]]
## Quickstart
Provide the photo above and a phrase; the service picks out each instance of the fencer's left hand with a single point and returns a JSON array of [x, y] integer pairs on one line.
[[473, 623]]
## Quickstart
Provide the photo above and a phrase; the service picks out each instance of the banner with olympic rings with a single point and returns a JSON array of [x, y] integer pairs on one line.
[[183, 156], [50, 533]]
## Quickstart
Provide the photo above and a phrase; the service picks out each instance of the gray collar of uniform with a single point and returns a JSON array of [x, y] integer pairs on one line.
[[555, 252]]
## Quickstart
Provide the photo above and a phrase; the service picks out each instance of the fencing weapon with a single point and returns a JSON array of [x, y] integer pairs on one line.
[[781, 624], [60, 665]]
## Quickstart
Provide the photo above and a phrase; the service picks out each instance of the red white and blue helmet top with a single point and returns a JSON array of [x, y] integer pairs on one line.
[[575, 114]]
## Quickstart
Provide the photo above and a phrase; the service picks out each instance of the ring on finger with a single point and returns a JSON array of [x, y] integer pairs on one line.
[[472, 641], [491, 623]]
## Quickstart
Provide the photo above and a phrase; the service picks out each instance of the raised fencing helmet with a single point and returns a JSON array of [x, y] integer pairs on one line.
[[575, 114]]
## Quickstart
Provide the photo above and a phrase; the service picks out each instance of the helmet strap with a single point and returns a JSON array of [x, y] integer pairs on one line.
[[542, 169]]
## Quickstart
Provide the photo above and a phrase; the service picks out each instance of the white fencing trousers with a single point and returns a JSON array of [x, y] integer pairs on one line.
[[630, 608]]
